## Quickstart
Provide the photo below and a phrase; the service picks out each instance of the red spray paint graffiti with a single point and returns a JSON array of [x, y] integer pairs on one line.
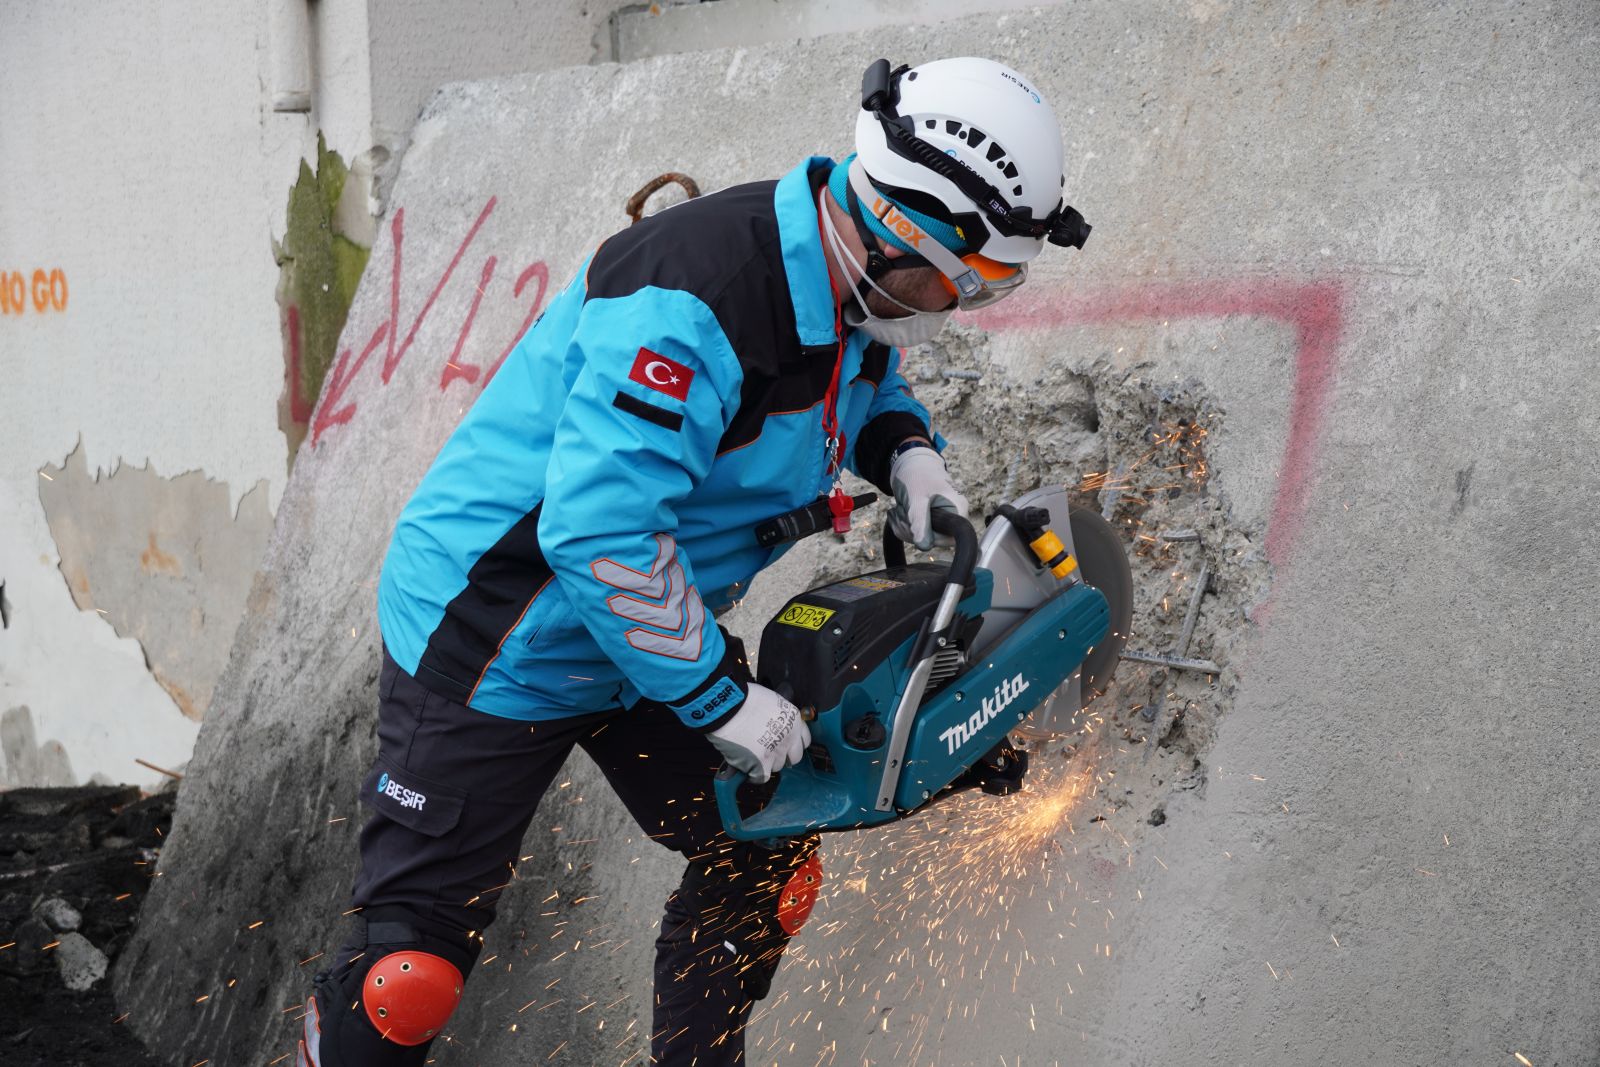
[[299, 405], [453, 367], [333, 409], [1315, 310]]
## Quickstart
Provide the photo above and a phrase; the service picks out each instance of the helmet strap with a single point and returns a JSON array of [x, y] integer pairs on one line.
[[864, 284], [877, 264]]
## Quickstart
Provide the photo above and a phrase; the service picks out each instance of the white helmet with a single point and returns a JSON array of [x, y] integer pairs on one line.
[[970, 142]]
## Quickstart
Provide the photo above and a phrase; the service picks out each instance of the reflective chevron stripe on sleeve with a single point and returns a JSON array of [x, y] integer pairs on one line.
[[663, 599]]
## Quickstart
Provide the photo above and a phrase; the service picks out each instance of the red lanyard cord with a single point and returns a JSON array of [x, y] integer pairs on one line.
[[839, 502], [830, 405]]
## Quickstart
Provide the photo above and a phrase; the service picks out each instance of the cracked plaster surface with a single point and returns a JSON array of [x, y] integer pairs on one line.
[[164, 560]]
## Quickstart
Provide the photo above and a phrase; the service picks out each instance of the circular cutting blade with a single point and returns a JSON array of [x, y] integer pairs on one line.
[[1105, 566]]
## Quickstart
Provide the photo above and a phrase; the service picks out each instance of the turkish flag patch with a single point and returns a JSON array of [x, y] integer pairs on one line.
[[664, 375]]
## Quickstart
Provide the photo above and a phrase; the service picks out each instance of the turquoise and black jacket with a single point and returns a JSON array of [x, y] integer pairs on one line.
[[570, 545]]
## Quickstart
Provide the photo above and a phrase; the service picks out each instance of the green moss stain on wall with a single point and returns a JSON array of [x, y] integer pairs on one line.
[[320, 259]]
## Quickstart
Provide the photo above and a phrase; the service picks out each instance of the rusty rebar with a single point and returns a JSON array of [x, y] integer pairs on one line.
[[635, 205], [159, 770], [1177, 663]]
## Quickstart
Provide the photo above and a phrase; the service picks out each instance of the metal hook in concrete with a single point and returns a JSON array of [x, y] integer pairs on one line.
[[636, 202]]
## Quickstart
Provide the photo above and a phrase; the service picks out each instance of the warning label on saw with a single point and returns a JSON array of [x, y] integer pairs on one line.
[[858, 588], [805, 616]]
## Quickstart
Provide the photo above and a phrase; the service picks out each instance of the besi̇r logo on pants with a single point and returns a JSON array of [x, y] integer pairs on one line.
[[407, 798]]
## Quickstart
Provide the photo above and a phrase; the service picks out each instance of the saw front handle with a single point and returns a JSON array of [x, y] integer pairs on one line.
[[727, 783], [944, 521], [929, 642], [787, 813]]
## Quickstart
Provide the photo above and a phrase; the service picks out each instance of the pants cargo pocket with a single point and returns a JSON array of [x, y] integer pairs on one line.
[[428, 807]]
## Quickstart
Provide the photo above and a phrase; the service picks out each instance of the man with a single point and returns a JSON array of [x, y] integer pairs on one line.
[[553, 582]]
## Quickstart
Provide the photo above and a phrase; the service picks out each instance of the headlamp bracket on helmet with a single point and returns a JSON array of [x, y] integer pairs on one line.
[[880, 95]]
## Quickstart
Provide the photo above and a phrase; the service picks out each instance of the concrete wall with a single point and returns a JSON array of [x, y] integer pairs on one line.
[[146, 178], [138, 162], [1359, 242], [416, 47], [640, 31]]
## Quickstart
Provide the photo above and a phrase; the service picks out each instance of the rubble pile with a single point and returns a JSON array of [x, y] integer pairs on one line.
[[74, 865]]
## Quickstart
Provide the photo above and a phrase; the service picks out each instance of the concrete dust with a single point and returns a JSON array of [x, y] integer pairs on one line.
[[1133, 447], [941, 895]]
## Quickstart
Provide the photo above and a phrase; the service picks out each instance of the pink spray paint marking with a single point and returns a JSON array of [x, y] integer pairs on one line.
[[332, 409], [1314, 309]]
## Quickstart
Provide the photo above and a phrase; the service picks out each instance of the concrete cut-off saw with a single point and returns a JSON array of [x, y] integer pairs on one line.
[[912, 678]]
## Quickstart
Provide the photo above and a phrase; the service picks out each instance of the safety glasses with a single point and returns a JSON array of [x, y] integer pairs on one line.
[[994, 281], [975, 281]]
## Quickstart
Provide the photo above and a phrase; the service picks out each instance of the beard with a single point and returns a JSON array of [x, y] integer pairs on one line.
[[911, 287]]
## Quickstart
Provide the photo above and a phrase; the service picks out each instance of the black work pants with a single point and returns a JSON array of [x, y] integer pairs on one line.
[[453, 791]]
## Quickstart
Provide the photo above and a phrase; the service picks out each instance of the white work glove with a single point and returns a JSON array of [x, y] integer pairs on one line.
[[921, 483], [766, 734]]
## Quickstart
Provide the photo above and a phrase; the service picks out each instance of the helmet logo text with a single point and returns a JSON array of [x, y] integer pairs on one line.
[[902, 227]]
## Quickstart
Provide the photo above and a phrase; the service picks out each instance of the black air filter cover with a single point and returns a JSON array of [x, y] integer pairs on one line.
[[827, 638]]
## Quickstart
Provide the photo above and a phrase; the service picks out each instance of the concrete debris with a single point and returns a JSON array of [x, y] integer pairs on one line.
[[80, 964], [65, 803], [29, 953], [62, 917], [74, 867]]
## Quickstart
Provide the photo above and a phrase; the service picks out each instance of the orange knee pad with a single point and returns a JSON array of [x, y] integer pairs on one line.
[[409, 996], [799, 895]]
